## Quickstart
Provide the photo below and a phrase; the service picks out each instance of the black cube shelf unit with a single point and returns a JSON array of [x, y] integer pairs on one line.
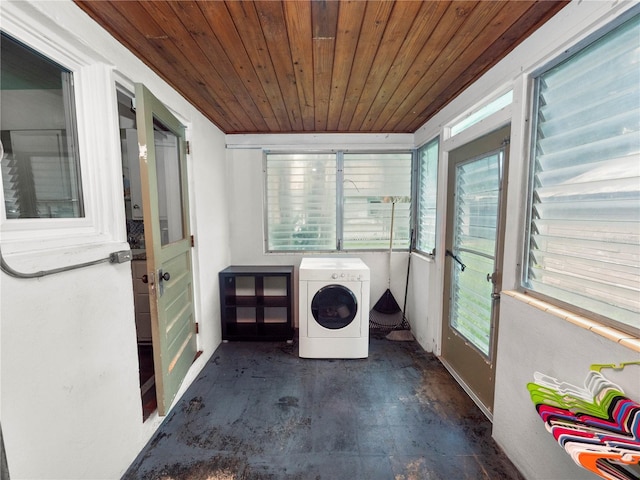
[[256, 302]]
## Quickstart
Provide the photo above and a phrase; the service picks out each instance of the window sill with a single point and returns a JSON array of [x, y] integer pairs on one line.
[[624, 339]]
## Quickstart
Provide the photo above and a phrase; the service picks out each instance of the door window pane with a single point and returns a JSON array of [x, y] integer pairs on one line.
[[474, 241], [40, 164], [169, 179]]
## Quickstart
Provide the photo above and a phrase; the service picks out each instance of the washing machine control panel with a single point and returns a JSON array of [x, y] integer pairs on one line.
[[347, 277]]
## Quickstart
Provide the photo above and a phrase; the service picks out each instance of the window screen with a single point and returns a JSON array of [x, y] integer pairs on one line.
[[40, 165], [427, 195], [584, 231]]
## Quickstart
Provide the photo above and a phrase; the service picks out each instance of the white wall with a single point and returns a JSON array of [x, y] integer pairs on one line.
[[529, 339], [70, 397], [422, 314], [535, 341], [70, 406]]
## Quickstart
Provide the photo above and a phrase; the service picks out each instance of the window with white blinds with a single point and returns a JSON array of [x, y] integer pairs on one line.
[[377, 197], [301, 201], [427, 194], [337, 201], [584, 230]]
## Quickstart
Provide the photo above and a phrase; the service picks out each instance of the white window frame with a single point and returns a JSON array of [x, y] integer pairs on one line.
[[501, 116], [265, 201], [96, 118], [604, 27], [477, 115], [417, 196]]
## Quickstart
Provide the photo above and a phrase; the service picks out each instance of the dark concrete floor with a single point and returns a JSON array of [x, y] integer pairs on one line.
[[259, 412]]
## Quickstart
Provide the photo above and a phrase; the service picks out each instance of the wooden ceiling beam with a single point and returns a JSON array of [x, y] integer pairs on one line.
[[247, 23], [398, 28], [209, 58], [417, 42], [348, 32], [451, 21], [483, 26], [537, 14], [274, 28], [146, 39], [299, 33], [221, 42], [202, 54], [324, 22], [376, 16]]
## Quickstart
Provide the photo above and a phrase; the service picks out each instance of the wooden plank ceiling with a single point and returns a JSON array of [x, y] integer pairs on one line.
[[316, 65]]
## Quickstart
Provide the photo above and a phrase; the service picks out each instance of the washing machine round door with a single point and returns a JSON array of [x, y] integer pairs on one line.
[[334, 306]]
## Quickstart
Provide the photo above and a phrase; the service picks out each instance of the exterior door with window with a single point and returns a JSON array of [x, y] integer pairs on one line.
[[166, 224], [473, 262]]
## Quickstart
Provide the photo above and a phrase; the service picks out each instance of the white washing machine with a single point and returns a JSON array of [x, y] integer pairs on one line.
[[334, 308]]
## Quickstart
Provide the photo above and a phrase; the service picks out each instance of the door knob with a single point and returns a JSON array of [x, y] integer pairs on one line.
[[144, 279], [165, 276]]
